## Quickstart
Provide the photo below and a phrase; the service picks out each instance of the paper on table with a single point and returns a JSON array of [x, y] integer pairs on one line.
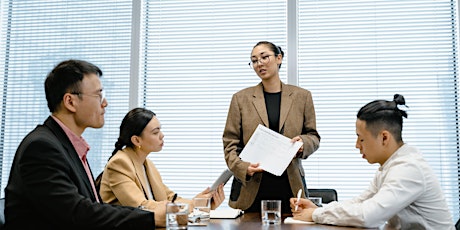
[[290, 220], [225, 213], [272, 150]]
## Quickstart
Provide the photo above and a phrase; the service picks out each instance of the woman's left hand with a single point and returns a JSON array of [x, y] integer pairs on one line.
[[295, 139], [218, 197]]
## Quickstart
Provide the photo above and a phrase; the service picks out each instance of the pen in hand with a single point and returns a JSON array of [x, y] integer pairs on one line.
[[299, 193], [174, 198]]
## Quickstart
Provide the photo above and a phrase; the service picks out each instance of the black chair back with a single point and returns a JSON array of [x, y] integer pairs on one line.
[[327, 194]]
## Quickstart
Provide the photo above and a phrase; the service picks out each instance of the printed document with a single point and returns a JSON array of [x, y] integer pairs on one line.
[[272, 150]]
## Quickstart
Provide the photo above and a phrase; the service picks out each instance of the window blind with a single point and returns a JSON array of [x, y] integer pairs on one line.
[[36, 36], [353, 52], [195, 56]]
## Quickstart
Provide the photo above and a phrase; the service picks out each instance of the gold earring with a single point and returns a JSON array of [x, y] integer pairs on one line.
[[139, 147]]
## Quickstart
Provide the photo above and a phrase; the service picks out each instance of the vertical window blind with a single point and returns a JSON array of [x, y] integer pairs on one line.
[[194, 56], [353, 52], [35, 36]]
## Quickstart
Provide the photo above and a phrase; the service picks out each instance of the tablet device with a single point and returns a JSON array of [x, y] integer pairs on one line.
[[222, 179]]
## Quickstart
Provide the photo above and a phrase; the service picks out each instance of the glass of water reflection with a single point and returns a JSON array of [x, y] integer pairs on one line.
[[271, 212]]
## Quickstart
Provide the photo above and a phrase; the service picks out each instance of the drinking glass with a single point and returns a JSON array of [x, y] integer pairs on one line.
[[177, 216], [271, 212], [201, 210]]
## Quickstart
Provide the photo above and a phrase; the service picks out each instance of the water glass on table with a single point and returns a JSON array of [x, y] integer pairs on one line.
[[271, 212], [201, 210], [177, 216]]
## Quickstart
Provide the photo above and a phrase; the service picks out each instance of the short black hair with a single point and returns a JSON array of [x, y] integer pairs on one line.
[[382, 114], [66, 77]]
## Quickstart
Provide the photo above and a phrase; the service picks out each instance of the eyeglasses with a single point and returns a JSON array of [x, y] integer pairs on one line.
[[262, 60], [100, 95]]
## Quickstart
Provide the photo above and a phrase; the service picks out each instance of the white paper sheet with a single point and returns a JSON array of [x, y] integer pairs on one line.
[[272, 150], [290, 220]]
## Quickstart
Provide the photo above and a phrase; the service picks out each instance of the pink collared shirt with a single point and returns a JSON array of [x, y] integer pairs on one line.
[[82, 148]]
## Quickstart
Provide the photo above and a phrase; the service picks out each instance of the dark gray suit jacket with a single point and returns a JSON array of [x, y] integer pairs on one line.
[[48, 189]]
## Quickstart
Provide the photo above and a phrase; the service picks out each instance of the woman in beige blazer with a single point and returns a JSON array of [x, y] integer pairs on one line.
[[129, 178], [284, 108]]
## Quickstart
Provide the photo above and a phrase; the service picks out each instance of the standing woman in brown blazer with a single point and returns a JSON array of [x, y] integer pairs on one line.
[[284, 108]]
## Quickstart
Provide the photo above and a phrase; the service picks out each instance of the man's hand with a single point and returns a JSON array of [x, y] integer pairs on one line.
[[304, 215], [305, 209]]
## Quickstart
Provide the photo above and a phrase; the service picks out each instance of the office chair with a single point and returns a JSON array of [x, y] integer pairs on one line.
[[327, 194]]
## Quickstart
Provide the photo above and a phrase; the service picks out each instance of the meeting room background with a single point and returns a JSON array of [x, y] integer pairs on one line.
[[184, 60]]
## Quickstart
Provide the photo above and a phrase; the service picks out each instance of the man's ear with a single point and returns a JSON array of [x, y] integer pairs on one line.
[[385, 137], [69, 102]]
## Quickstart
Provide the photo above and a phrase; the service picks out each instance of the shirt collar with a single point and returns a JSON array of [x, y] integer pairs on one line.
[[393, 156], [79, 143]]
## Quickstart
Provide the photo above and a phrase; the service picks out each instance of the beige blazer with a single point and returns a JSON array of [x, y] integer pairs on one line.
[[123, 182], [247, 110]]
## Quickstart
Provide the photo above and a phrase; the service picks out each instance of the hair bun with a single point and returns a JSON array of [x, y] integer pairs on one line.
[[281, 50], [400, 104], [399, 99]]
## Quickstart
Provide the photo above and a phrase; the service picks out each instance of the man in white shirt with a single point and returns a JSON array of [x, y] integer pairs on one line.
[[405, 193]]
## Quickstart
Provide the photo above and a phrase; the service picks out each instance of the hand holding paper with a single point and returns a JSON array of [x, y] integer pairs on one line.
[[253, 168], [272, 150]]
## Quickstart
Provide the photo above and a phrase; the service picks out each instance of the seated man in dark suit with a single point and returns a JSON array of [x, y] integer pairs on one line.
[[51, 185]]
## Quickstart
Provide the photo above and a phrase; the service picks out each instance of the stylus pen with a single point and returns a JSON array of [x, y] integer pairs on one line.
[[299, 193]]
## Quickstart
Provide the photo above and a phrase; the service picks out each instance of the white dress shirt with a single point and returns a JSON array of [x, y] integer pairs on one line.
[[405, 192]]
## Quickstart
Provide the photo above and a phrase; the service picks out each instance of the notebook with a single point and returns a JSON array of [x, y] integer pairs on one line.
[[226, 213]]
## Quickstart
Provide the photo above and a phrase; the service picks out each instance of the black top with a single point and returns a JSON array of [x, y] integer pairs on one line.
[[273, 187]]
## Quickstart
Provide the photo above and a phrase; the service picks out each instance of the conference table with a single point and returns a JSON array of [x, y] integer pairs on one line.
[[252, 221]]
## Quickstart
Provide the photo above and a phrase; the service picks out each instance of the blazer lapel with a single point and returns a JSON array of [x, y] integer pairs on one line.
[[159, 189], [259, 104], [286, 103], [140, 171], [71, 154]]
